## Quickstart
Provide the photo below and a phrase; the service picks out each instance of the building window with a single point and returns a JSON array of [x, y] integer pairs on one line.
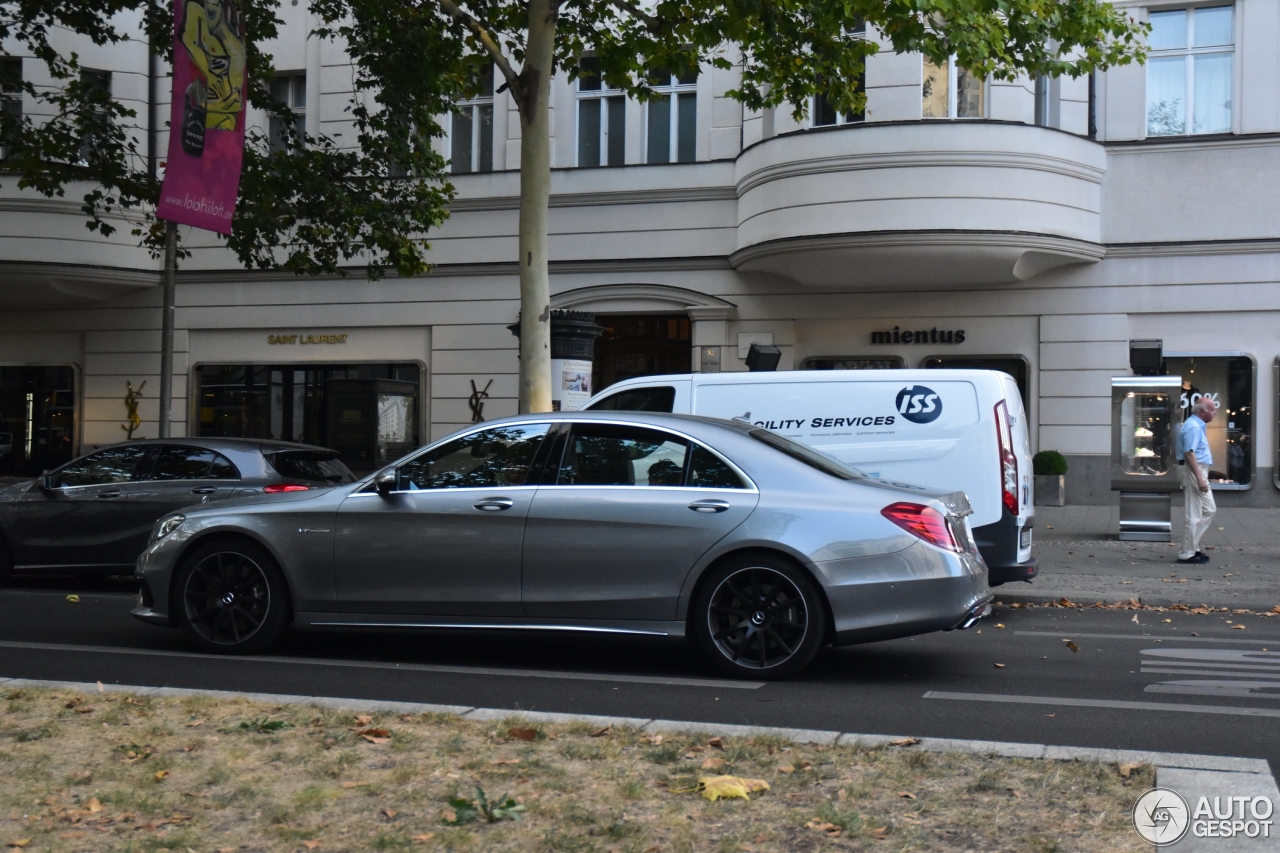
[[97, 90], [602, 119], [825, 115], [290, 90], [10, 98], [1048, 101], [949, 91], [471, 131], [1228, 380], [1189, 71], [672, 116], [881, 362]]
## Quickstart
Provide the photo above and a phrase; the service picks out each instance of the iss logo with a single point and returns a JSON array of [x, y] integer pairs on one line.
[[1161, 816], [919, 404]]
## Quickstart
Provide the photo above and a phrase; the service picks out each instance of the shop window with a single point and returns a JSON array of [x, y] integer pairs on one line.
[[950, 91], [641, 345], [368, 413], [290, 90], [1014, 365], [471, 130], [672, 116], [1189, 71], [602, 119], [1229, 381], [37, 419], [890, 362]]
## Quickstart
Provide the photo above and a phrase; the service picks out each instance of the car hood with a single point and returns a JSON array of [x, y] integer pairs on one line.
[[264, 500], [13, 491]]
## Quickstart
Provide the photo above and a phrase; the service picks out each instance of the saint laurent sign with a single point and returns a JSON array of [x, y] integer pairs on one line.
[[300, 338], [921, 336]]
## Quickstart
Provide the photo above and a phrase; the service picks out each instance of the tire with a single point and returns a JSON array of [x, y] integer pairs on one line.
[[760, 616], [230, 598]]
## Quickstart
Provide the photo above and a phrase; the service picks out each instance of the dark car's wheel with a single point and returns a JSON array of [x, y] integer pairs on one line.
[[759, 617], [231, 598]]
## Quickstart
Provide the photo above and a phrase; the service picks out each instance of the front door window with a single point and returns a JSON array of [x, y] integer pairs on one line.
[[113, 465], [486, 459]]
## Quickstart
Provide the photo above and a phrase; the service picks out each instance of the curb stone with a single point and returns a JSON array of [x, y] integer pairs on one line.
[[1088, 599]]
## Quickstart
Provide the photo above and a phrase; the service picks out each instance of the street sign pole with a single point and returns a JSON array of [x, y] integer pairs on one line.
[[166, 327]]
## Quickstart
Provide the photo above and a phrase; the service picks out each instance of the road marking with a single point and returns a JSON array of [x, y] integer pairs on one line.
[[1246, 689], [1104, 703], [1218, 657], [407, 667], [1172, 670], [1149, 637]]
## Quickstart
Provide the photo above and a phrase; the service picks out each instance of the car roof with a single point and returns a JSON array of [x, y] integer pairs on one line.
[[242, 445], [684, 423]]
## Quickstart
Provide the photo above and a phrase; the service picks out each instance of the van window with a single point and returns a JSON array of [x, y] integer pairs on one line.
[[658, 398], [810, 457]]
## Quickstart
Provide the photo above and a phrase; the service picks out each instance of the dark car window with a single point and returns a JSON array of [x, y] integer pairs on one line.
[[708, 471], [608, 455], [317, 466], [661, 398], [193, 463], [113, 465], [807, 455], [491, 457]]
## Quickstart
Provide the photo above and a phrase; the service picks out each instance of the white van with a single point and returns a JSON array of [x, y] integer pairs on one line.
[[958, 430]]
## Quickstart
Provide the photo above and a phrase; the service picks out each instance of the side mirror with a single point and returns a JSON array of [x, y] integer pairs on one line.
[[385, 482], [46, 482]]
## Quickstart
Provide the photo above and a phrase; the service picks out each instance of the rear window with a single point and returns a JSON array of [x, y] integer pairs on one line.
[[660, 398], [313, 465], [807, 455]]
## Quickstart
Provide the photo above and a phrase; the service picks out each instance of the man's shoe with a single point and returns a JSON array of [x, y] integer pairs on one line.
[[1204, 558], [1196, 559]]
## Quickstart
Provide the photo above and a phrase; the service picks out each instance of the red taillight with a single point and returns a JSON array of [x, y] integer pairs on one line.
[[276, 488], [922, 521], [1008, 461]]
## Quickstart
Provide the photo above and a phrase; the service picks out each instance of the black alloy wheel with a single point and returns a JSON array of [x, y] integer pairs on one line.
[[760, 617], [231, 598]]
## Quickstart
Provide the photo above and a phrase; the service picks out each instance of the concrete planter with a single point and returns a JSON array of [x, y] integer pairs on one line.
[[1051, 490]]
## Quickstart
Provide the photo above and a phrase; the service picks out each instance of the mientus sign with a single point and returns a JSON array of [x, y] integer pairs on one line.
[[921, 336]]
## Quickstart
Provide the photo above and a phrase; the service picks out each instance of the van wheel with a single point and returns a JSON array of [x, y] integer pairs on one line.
[[760, 617], [231, 598]]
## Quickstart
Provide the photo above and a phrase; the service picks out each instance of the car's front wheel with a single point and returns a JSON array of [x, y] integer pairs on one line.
[[759, 617], [231, 598]]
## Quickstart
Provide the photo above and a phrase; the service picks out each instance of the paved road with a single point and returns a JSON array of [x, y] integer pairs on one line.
[[1151, 685]]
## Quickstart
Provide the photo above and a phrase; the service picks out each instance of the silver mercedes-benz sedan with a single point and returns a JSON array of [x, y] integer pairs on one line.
[[759, 549]]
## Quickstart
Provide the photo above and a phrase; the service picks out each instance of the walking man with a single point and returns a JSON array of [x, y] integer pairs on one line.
[[1196, 494]]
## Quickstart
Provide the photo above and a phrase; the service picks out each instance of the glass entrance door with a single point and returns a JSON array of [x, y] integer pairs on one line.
[[37, 419], [641, 345]]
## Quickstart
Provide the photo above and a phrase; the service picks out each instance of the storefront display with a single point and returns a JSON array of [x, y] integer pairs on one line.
[[37, 419], [1227, 379]]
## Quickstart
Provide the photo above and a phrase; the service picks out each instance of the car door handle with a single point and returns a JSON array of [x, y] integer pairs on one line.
[[204, 490], [709, 505], [108, 494], [495, 504]]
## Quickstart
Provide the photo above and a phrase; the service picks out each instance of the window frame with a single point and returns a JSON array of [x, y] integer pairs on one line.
[[1187, 53], [608, 98], [297, 83], [953, 99], [672, 90]]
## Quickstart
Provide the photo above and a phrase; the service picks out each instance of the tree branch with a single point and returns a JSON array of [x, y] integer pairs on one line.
[[652, 22], [490, 45]]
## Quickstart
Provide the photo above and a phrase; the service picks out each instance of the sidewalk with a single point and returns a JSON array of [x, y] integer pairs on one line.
[[1081, 559]]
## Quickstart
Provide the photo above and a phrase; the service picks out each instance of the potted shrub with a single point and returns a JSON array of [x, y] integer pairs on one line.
[[1050, 466]]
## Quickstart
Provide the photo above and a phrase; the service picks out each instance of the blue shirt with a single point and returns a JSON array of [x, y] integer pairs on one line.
[[1193, 438]]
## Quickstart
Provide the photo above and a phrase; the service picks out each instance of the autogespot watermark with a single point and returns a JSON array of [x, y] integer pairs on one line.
[[1162, 816]]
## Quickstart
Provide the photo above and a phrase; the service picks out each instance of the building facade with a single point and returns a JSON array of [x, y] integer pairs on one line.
[[1036, 226]]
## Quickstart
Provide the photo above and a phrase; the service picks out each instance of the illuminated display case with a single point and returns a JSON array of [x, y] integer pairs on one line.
[[1145, 414]]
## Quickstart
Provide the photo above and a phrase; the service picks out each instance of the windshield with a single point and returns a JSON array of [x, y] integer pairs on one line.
[[808, 455]]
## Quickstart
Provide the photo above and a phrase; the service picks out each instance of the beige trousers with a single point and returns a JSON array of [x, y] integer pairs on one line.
[[1200, 509]]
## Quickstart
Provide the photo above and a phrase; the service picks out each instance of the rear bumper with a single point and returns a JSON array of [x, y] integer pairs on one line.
[[998, 543]]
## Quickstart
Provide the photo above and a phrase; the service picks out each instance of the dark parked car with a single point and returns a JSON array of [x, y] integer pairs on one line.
[[761, 549], [94, 513]]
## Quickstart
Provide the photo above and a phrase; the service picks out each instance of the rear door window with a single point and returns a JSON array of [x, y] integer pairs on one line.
[[622, 455], [312, 465], [193, 463], [659, 398]]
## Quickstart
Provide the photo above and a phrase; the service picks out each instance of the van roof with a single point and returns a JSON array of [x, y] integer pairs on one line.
[[889, 375]]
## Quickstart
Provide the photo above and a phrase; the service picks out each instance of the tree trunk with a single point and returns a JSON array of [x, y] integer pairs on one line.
[[535, 193]]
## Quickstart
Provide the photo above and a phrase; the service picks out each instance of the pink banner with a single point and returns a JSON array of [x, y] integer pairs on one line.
[[206, 125]]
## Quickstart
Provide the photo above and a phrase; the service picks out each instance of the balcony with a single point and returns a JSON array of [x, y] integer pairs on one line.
[[926, 203]]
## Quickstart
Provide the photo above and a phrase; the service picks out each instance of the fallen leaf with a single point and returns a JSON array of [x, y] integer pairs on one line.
[[1015, 792], [906, 741], [1051, 715], [1237, 627], [311, 845], [84, 709], [21, 842], [101, 688], [713, 763], [1071, 645], [1134, 620], [93, 805], [194, 723], [729, 787], [522, 734], [354, 784], [374, 738], [999, 666], [656, 740], [1126, 769], [1048, 527], [1066, 602], [999, 624], [422, 839], [389, 813], [829, 828], [161, 774], [716, 743], [364, 719], [507, 761], [448, 815], [880, 833], [74, 599], [906, 795], [603, 732], [228, 849], [786, 768]]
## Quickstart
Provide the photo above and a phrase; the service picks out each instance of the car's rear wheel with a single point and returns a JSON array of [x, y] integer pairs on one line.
[[231, 598], [760, 616]]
